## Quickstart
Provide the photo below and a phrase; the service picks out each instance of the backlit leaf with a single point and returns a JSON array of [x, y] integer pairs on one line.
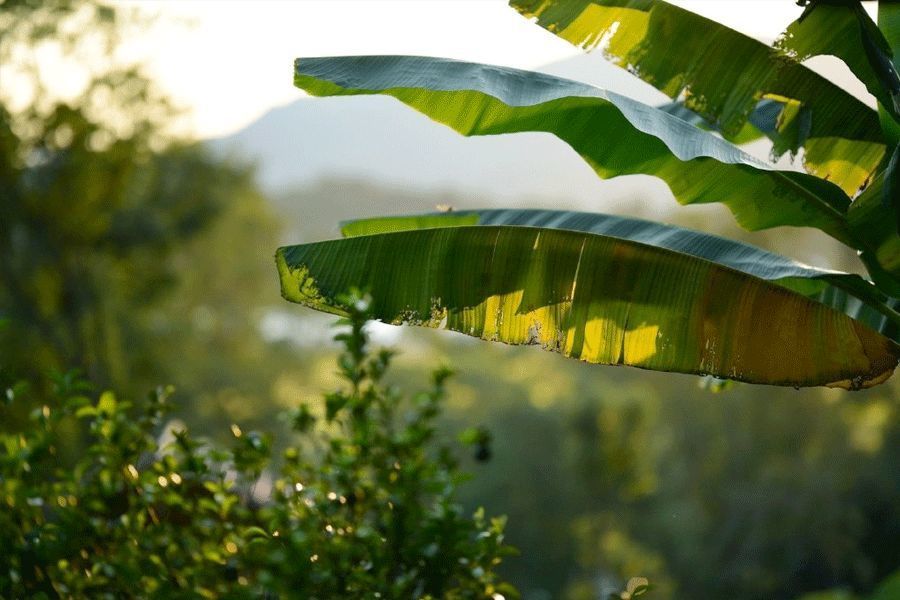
[[847, 293], [595, 298]]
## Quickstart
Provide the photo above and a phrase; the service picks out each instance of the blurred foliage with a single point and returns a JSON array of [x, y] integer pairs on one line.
[[746, 493], [124, 249], [363, 506], [92, 242], [889, 589]]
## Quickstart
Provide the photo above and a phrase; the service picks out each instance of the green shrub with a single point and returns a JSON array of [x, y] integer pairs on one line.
[[362, 505]]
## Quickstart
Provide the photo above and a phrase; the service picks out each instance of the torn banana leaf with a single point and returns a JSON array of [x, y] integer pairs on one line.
[[615, 135], [846, 30], [721, 74], [596, 298], [844, 292]]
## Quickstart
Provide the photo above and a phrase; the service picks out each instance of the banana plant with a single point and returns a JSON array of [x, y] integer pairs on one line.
[[618, 291]]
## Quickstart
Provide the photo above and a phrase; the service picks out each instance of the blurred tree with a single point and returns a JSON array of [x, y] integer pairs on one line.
[[119, 241]]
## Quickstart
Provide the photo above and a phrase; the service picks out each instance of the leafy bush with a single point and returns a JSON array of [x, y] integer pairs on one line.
[[363, 504]]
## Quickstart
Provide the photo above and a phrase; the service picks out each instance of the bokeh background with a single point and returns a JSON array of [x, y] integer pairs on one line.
[[153, 155]]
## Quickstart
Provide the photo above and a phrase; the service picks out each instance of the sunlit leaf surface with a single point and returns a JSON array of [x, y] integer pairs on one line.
[[847, 293], [595, 298], [721, 74]]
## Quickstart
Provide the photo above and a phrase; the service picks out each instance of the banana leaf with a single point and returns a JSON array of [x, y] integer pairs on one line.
[[889, 24], [721, 74], [875, 222], [845, 30], [844, 292], [593, 297], [615, 135], [755, 127]]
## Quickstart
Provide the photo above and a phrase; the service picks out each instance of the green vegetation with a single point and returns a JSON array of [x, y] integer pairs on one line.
[[611, 298], [124, 248], [364, 506]]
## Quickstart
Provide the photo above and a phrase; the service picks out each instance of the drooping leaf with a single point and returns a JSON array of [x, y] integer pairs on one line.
[[844, 292], [614, 134], [721, 74], [596, 298]]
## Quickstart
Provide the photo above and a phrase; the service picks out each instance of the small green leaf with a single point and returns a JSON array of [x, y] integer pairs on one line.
[[333, 404], [107, 403], [86, 411], [302, 419], [469, 436], [255, 532]]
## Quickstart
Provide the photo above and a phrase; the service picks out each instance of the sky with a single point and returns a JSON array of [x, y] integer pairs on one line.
[[230, 61]]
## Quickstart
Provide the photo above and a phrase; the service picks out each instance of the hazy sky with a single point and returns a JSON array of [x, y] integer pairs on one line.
[[232, 61]]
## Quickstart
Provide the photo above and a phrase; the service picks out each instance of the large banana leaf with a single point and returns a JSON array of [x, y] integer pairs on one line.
[[596, 298], [614, 134], [847, 293], [722, 74]]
